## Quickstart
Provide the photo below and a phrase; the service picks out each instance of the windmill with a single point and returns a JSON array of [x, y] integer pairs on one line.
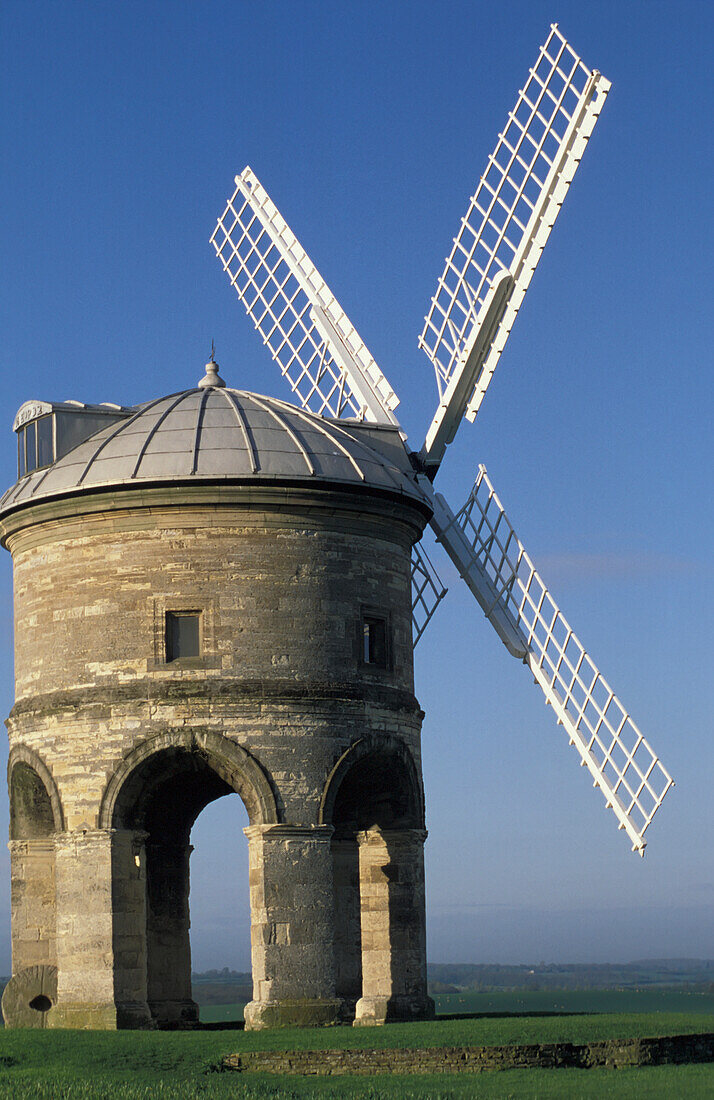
[[490, 266]]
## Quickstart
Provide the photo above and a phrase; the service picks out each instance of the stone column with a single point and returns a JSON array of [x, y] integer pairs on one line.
[[167, 935], [32, 871], [101, 930], [348, 929], [291, 912], [391, 865]]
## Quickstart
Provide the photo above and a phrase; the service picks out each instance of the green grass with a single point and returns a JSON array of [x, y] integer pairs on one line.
[[481, 1031], [77, 1065], [692, 1082], [218, 1014], [663, 1083]]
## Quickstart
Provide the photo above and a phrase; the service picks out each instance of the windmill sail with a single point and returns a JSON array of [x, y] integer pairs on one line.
[[427, 591], [511, 215], [309, 335], [610, 745]]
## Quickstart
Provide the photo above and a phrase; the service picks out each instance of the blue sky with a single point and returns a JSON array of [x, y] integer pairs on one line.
[[122, 127]]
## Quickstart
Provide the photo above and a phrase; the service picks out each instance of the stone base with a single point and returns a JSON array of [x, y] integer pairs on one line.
[[134, 1015], [101, 1017], [375, 1011], [298, 1013], [174, 1015]]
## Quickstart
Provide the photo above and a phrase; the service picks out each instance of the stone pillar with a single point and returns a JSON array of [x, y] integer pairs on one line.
[[101, 930], [32, 871], [291, 912], [391, 867], [348, 929], [167, 935]]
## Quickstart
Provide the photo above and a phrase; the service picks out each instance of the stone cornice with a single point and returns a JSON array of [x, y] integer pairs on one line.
[[279, 499], [157, 692]]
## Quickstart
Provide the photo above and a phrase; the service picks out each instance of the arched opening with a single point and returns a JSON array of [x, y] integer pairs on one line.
[[35, 818], [220, 909], [374, 802], [378, 791], [156, 802], [31, 815]]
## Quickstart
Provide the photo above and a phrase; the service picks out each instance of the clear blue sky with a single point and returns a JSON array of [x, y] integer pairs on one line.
[[122, 127]]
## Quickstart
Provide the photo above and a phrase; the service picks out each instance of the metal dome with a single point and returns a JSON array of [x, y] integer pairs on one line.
[[217, 433]]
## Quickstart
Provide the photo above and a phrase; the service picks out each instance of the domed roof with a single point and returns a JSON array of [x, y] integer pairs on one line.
[[217, 433]]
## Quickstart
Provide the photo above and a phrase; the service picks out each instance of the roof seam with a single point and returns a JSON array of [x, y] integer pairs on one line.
[[284, 424], [240, 417], [199, 425]]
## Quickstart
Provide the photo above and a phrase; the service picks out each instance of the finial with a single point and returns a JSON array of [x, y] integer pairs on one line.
[[211, 377]]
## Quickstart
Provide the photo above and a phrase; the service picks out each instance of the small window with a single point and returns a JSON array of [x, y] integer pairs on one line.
[[44, 441], [183, 634], [21, 461], [31, 446], [375, 641], [35, 446]]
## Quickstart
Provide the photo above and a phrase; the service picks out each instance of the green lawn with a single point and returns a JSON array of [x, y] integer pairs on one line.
[[480, 1031], [664, 1083], [54, 1065]]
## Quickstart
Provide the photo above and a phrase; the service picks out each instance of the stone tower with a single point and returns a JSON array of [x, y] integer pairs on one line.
[[212, 594]]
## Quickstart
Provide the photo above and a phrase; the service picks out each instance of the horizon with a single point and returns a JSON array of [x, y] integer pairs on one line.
[[510, 966]]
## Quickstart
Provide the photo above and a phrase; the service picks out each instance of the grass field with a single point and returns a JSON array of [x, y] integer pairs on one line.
[[66, 1065]]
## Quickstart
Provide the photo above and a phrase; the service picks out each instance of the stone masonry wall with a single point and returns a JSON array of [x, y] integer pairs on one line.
[[91, 593], [612, 1053], [281, 605], [280, 690]]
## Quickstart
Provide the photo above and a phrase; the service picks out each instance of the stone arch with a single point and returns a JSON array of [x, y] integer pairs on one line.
[[36, 817], [374, 800], [381, 770], [240, 771], [150, 803], [35, 805]]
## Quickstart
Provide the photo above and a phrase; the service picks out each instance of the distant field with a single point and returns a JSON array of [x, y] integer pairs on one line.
[[589, 1001], [220, 1014], [598, 1000]]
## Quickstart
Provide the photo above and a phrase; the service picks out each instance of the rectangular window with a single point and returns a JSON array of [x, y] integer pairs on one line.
[[183, 634], [21, 463], [31, 446], [375, 641], [44, 441]]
